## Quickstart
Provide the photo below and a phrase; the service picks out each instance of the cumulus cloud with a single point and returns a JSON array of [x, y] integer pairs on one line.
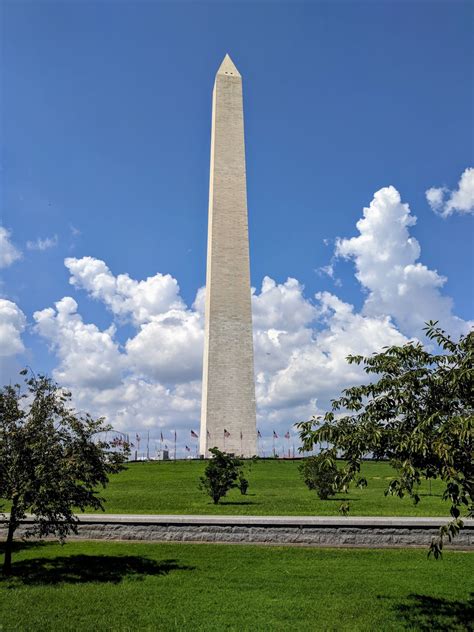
[[8, 252], [280, 305], [43, 244], [12, 325], [446, 202], [386, 260], [137, 404], [88, 356], [313, 368], [124, 385], [152, 381], [139, 301], [169, 348]]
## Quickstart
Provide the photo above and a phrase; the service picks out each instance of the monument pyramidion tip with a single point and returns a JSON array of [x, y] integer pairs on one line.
[[228, 67]]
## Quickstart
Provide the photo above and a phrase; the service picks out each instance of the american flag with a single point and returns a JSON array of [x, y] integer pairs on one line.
[[275, 436], [194, 435], [188, 449], [259, 434], [208, 434], [226, 434], [137, 437], [287, 436], [161, 437]]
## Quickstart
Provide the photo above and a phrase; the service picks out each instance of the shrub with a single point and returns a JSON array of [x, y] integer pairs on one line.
[[220, 475], [320, 474], [243, 484]]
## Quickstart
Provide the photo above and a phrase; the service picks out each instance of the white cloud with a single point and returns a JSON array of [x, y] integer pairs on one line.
[[329, 271], [8, 252], [169, 348], [88, 357], [301, 343], [108, 381], [138, 405], [435, 197], [12, 325], [154, 381], [446, 202], [385, 257], [43, 244], [315, 369], [281, 305], [139, 300]]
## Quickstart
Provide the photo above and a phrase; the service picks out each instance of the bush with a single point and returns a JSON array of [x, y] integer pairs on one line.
[[320, 474], [243, 484], [221, 474]]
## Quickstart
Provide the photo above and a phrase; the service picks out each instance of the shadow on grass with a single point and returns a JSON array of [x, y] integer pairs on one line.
[[23, 545], [80, 569], [426, 613], [339, 500], [237, 503]]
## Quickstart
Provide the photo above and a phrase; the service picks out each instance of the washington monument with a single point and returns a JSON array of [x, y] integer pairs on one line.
[[228, 418]]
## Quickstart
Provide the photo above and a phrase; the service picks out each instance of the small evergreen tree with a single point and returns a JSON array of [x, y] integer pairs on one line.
[[220, 475]]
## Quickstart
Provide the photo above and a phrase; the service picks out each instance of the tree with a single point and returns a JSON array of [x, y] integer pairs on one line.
[[419, 415], [49, 461], [243, 484], [220, 475], [320, 474]]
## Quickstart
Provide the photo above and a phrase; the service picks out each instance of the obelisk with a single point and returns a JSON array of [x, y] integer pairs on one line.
[[228, 419]]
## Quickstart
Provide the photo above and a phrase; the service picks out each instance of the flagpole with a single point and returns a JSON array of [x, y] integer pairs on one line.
[[224, 439], [175, 446], [148, 446], [273, 444], [137, 451], [241, 451]]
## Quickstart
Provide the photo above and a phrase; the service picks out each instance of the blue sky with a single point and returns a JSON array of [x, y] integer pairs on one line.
[[105, 145]]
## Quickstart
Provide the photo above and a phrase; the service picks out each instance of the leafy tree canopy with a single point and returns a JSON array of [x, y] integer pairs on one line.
[[419, 415], [50, 464]]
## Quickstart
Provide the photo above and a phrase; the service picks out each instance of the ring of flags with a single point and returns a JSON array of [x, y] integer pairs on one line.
[[195, 435]]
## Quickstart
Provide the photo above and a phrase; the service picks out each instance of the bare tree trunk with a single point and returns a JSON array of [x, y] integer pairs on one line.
[[12, 525]]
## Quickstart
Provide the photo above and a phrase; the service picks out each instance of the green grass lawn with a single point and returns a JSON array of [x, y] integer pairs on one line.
[[275, 489], [134, 586]]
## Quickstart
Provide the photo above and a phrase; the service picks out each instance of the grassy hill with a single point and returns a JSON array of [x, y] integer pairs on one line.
[[275, 489]]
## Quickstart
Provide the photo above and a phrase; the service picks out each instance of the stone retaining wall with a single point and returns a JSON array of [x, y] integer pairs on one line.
[[309, 531]]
